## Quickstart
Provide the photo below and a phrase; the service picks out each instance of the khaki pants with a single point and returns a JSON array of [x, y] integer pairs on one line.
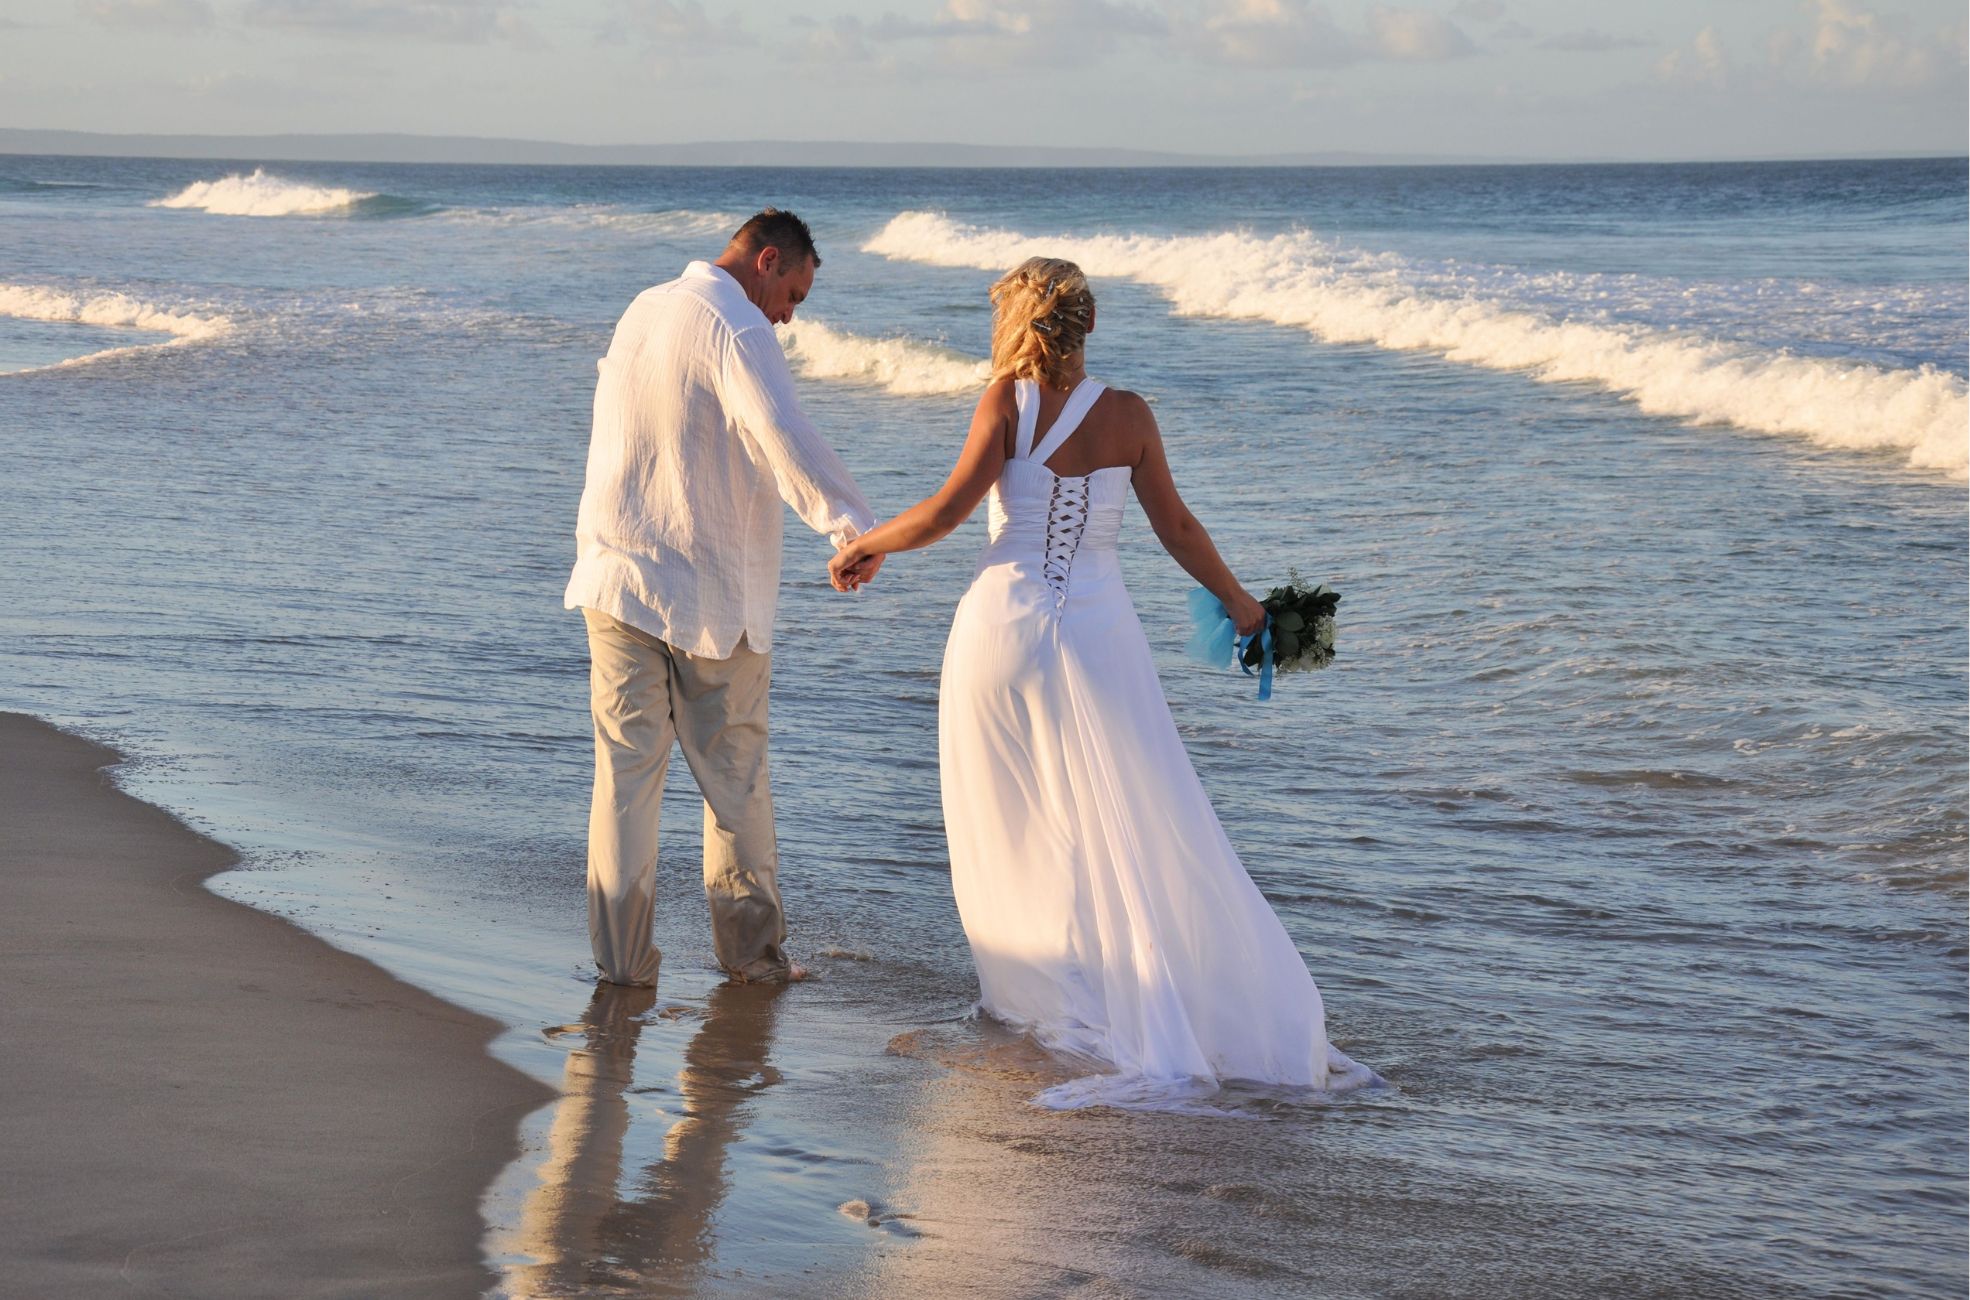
[[646, 694]]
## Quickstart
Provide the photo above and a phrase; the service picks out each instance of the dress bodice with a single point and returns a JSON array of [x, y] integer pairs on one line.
[[1032, 501], [1058, 520]]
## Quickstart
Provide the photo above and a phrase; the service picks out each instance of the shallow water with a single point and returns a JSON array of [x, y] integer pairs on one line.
[[1626, 838]]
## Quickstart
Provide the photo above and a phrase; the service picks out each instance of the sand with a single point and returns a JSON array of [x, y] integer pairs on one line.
[[201, 1099]]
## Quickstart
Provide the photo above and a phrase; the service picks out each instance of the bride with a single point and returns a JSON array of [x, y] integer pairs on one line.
[[1108, 915]]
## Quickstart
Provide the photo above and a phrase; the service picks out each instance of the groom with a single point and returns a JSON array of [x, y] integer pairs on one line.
[[697, 440]]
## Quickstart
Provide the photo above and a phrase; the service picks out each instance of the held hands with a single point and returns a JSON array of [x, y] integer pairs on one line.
[[850, 568]]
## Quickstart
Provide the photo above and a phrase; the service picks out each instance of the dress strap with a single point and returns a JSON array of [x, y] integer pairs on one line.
[[1079, 402], [1026, 394]]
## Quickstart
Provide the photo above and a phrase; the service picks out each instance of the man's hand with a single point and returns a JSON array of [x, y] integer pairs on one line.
[[849, 569]]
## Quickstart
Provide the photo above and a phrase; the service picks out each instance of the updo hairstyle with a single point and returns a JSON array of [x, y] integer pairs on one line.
[[1041, 310]]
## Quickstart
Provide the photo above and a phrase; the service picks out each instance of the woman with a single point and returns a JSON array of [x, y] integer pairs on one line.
[[1107, 913]]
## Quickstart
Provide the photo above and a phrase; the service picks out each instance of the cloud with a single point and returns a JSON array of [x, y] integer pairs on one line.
[[998, 33], [675, 25], [1503, 26], [1702, 62], [882, 48], [153, 15], [1592, 41], [838, 41], [1274, 34], [1076, 25], [1300, 34], [455, 21], [1854, 48], [1082, 20], [1027, 33], [1414, 36]]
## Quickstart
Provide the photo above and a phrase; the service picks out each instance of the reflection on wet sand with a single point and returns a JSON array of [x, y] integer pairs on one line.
[[585, 1228], [1014, 1200]]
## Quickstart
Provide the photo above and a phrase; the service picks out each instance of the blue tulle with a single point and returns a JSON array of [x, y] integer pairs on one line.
[[1214, 639], [1212, 634]]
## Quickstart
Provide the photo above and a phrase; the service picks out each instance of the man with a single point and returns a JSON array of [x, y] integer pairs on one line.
[[697, 440]]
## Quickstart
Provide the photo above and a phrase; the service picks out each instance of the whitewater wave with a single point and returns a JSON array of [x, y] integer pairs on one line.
[[903, 366], [1343, 296], [110, 310], [675, 221], [263, 195]]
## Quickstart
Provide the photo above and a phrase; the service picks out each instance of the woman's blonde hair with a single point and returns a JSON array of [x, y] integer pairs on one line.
[[1041, 310]]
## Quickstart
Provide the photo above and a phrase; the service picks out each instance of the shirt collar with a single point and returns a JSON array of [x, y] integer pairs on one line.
[[703, 270], [745, 306]]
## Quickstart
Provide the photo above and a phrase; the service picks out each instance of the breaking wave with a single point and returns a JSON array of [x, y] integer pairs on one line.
[[109, 310], [1347, 297], [903, 366], [264, 195], [675, 221]]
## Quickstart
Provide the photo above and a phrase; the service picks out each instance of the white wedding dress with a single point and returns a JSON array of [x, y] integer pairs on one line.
[[1107, 913]]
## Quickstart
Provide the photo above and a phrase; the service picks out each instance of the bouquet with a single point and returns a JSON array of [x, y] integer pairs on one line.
[[1298, 635]]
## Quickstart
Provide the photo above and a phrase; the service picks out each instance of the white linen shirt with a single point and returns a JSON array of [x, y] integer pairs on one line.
[[697, 439]]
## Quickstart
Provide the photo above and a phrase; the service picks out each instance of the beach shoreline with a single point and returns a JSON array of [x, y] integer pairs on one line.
[[204, 1098], [1625, 837]]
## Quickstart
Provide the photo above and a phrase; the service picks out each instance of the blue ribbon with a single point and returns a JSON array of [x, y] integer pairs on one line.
[[1214, 639], [1265, 658]]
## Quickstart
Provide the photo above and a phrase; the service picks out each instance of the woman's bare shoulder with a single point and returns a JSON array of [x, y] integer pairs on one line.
[[998, 392], [997, 404], [1129, 413]]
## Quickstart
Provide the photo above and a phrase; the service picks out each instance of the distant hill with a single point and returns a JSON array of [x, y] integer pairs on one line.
[[744, 153]]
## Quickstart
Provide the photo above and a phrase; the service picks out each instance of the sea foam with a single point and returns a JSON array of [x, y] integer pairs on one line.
[[605, 216], [110, 310], [261, 195], [902, 366], [1299, 280]]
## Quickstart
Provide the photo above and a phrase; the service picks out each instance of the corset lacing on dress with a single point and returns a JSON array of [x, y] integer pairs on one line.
[[1067, 520]]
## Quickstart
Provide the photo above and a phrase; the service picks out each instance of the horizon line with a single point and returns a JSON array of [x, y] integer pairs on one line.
[[1120, 157]]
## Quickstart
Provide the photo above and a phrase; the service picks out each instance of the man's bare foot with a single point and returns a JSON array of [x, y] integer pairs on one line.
[[792, 973]]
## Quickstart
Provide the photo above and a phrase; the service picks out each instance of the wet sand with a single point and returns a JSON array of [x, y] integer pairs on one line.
[[202, 1099]]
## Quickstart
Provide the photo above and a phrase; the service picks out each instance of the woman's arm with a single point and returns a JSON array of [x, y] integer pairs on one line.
[[1180, 533], [934, 517]]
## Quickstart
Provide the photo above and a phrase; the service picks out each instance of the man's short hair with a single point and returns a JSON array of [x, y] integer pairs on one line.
[[777, 229]]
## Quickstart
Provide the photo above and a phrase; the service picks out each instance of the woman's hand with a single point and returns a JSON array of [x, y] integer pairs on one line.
[[851, 567], [1247, 615]]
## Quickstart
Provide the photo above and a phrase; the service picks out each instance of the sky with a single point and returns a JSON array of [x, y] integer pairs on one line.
[[1533, 79]]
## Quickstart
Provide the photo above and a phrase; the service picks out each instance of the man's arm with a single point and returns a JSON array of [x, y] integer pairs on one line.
[[758, 392]]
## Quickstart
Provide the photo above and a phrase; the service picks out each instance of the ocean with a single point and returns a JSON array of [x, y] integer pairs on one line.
[[1626, 838]]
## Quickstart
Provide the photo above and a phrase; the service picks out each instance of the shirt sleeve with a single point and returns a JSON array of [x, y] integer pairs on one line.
[[809, 475]]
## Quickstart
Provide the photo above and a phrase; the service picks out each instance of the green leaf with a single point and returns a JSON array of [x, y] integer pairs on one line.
[[1289, 621]]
